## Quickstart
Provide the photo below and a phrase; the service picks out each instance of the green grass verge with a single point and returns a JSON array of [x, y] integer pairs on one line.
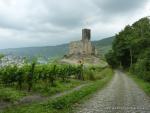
[[10, 94], [47, 90], [63, 104], [141, 83]]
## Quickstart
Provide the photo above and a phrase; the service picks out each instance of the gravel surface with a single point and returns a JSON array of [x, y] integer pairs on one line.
[[122, 95]]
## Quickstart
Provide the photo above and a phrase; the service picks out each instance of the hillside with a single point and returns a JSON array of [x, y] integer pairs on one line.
[[104, 45], [46, 51], [55, 51]]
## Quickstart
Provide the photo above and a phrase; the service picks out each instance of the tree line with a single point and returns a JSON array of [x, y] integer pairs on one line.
[[131, 49]]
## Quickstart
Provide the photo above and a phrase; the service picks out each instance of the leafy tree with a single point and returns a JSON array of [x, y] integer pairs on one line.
[[130, 48], [131, 41], [142, 67], [111, 59]]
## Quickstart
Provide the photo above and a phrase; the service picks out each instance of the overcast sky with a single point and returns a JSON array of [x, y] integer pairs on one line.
[[26, 23]]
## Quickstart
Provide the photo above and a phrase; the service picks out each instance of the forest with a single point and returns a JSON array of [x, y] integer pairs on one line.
[[131, 49]]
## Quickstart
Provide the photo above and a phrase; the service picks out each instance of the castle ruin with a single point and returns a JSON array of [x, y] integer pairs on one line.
[[83, 47]]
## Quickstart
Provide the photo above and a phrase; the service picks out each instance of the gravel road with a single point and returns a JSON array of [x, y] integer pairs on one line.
[[122, 95]]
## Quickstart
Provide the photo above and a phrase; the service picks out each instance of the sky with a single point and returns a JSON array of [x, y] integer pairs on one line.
[[26, 23]]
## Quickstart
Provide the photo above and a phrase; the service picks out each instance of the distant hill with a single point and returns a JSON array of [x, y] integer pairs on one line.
[[55, 51], [103, 45]]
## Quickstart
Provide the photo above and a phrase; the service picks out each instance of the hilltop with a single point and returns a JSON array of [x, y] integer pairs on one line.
[[55, 51]]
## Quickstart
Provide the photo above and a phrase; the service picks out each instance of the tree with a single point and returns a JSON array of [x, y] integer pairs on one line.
[[111, 59], [142, 67], [131, 41], [131, 48]]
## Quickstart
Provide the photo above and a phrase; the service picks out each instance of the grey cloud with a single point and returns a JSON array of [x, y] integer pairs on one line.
[[47, 21], [68, 13], [119, 6], [69, 21], [11, 23]]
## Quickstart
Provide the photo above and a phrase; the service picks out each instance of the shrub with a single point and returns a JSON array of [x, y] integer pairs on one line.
[[89, 74], [142, 67]]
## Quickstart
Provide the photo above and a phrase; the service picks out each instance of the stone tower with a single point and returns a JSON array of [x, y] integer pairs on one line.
[[86, 34], [83, 47]]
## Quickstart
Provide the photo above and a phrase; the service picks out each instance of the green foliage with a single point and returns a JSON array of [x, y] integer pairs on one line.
[[64, 103], [142, 83], [89, 74], [96, 73], [111, 59], [30, 76], [67, 101], [103, 73], [10, 94], [7, 78], [1, 56], [131, 49], [80, 72], [20, 77], [104, 45], [142, 67], [27, 75], [60, 86]]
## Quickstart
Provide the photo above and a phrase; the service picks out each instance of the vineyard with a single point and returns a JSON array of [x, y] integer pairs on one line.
[[32, 80], [29, 74]]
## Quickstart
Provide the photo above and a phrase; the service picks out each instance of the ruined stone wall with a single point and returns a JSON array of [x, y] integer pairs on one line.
[[75, 47], [80, 47], [83, 47], [87, 47]]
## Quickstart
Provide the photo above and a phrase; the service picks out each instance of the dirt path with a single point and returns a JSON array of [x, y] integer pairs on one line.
[[37, 98], [121, 95]]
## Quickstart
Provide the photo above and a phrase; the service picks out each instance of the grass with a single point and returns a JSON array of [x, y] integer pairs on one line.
[[10, 94], [142, 84], [65, 103], [96, 73], [101, 64], [60, 86], [103, 74]]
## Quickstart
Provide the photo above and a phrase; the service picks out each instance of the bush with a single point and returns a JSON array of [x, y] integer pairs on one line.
[[104, 73], [89, 74], [142, 67]]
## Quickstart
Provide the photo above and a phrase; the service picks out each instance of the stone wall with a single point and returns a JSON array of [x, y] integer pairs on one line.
[[80, 47], [83, 47]]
